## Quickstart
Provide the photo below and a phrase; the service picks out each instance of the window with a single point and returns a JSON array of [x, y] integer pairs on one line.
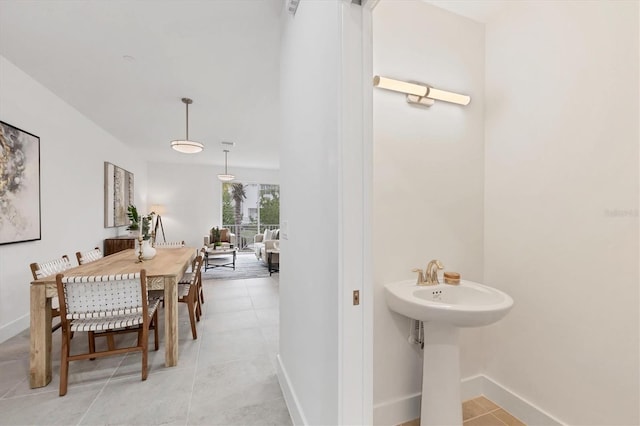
[[249, 209]]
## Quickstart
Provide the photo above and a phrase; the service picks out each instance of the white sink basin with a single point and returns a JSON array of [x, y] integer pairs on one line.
[[468, 304], [444, 309]]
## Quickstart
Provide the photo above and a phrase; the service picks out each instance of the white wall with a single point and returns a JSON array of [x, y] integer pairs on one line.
[[309, 155], [427, 180], [192, 196], [561, 203], [73, 150]]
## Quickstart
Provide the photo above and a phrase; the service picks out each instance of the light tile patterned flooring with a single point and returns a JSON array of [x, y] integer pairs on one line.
[[225, 377], [481, 412]]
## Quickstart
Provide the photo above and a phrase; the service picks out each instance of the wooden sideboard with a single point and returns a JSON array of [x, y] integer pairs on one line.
[[116, 244]]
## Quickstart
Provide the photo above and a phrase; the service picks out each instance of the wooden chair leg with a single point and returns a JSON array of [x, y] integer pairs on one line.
[[196, 303], [64, 364], [92, 343], [155, 330], [145, 352], [191, 306], [110, 342]]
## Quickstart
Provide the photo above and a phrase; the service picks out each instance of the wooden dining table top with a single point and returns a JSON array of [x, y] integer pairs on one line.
[[167, 262]]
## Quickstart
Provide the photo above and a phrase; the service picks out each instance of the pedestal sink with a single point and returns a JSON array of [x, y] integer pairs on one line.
[[444, 309]]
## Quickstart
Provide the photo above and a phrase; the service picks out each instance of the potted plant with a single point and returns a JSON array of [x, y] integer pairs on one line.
[[214, 237], [146, 226], [134, 217], [142, 224]]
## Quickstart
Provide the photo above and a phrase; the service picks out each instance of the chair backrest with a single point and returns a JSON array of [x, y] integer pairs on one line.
[[89, 256], [102, 296], [170, 244], [51, 267], [196, 276], [225, 235]]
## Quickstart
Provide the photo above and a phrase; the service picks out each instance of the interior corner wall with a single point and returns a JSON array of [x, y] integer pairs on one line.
[[309, 155], [73, 150], [428, 177], [562, 207], [191, 195]]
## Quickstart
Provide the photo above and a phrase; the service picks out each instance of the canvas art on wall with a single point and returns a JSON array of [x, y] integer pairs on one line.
[[118, 195], [19, 185]]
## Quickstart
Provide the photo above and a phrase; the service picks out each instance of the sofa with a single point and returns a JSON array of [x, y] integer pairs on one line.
[[268, 240]]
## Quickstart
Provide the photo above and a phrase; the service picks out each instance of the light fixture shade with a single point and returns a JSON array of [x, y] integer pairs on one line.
[[417, 92], [226, 176], [187, 147]]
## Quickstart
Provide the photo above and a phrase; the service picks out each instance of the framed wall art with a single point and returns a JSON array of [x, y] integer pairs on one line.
[[118, 195], [19, 185]]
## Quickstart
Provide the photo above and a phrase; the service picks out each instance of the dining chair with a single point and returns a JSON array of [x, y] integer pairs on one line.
[[188, 293], [169, 244], [51, 267], [186, 278], [89, 256], [109, 305]]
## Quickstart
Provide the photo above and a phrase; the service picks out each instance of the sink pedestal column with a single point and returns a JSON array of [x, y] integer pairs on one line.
[[441, 403]]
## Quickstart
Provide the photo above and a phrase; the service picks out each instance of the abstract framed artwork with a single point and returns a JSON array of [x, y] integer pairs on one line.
[[19, 185], [118, 195]]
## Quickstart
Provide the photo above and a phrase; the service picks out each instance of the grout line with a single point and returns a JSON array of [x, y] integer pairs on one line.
[[102, 389], [195, 372]]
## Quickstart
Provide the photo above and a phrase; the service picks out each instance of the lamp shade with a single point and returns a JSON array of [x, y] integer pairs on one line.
[[187, 147]]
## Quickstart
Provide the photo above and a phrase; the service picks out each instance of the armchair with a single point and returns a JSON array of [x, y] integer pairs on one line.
[[226, 236], [266, 241]]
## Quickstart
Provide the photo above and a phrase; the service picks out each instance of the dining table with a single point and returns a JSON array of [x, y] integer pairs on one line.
[[163, 273]]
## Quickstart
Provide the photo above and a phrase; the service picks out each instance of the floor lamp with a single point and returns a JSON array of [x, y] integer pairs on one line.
[[158, 209]]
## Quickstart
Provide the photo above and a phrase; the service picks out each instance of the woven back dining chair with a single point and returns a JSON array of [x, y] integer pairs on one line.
[[89, 256], [45, 269], [188, 293], [169, 244], [105, 304]]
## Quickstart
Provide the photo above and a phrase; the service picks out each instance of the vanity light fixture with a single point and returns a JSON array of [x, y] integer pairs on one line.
[[421, 94], [226, 177], [185, 145]]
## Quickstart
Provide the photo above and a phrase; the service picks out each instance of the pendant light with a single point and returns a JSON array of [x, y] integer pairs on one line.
[[185, 145], [226, 177]]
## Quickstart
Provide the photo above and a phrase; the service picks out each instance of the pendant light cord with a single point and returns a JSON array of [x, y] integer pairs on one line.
[[187, 121]]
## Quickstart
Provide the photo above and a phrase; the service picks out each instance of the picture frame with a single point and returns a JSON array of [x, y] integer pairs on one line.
[[118, 195], [20, 211]]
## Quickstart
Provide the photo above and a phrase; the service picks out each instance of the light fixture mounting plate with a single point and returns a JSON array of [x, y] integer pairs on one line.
[[187, 101]]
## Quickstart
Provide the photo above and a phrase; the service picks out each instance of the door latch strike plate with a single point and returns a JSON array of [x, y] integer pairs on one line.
[[356, 297]]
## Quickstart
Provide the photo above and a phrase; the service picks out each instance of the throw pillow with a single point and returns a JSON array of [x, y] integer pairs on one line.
[[264, 235], [268, 235], [276, 234], [224, 235]]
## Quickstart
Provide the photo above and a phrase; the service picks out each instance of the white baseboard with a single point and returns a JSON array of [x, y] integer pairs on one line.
[[11, 329], [290, 397], [397, 411], [516, 405], [401, 410]]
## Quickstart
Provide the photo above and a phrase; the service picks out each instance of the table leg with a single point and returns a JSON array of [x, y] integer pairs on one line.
[[234, 260], [40, 337], [171, 321]]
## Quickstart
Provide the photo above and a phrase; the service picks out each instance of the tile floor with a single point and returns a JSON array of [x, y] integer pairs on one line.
[[481, 412], [225, 377]]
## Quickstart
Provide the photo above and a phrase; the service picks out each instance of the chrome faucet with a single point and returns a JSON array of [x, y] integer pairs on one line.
[[432, 272]]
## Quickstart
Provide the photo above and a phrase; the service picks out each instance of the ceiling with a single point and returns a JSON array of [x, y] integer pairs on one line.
[[478, 10], [126, 64]]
